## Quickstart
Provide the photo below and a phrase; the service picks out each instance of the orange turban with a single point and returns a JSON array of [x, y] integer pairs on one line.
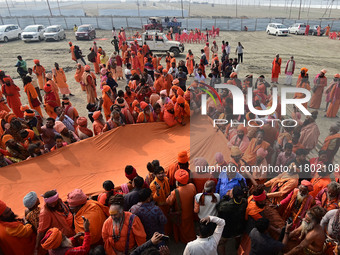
[[180, 100], [87, 68], [164, 71], [235, 151], [183, 157], [337, 75], [36, 61], [24, 108], [82, 121], [304, 69], [143, 105], [135, 103], [76, 198], [182, 176], [233, 74], [324, 71], [52, 239], [6, 138], [308, 184], [7, 80], [47, 88], [96, 115], [242, 128], [106, 88], [133, 72], [3, 207], [29, 114]]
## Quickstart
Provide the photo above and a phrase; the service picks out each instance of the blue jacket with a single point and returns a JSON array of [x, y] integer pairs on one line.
[[224, 184]]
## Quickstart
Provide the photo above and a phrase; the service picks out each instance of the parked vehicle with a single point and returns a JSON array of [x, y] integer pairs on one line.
[[313, 30], [54, 33], [85, 32], [159, 42], [9, 32], [155, 23], [33, 33], [277, 29], [297, 28]]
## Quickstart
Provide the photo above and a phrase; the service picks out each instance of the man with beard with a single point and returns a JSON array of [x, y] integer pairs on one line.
[[92, 210], [89, 81], [169, 113], [321, 177], [182, 110], [301, 163], [310, 132], [62, 116], [16, 151], [98, 123], [240, 140], [48, 133], [320, 82], [328, 197], [332, 142], [310, 233], [57, 243], [121, 228], [11, 91], [297, 203], [54, 214], [16, 238], [146, 115], [331, 223]]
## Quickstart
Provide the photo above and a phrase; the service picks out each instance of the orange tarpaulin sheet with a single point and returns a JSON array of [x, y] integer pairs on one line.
[[88, 163]]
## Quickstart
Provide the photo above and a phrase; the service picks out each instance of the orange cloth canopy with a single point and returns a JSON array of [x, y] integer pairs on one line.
[[87, 164]]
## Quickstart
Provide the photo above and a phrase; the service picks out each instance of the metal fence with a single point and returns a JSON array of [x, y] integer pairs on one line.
[[107, 22]]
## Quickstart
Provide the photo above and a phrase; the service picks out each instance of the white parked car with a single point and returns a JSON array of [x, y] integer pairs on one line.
[[54, 33], [297, 28], [33, 33], [9, 32], [277, 29]]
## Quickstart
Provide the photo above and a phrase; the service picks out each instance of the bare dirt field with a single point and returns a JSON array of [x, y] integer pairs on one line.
[[312, 52]]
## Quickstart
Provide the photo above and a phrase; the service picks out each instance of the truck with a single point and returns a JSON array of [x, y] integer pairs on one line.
[[158, 42]]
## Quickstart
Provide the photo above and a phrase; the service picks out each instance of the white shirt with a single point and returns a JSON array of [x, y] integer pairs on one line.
[[227, 49], [127, 71], [206, 246], [34, 80], [239, 49], [209, 208], [199, 78]]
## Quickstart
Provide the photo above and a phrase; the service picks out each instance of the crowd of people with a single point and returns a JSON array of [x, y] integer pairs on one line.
[[294, 212]]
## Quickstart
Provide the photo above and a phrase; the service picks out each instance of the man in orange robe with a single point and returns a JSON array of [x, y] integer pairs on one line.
[[332, 142], [11, 91], [54, 214], [182, 110], [167, 81], [89, 80], [16, 238], [182, 163], [145, 115], [302, 82], [334, 98], [320, 82], [32, 95], [140, 57], [107, 101], [98, 123], [328, 197], [116, 228], [158, 84], [129, 97], [73, 56], [54, 87], [50, 101], [59, 78], [39, 70], [92, 210], [276, 68], [78, 76], [185, 230], [255, 144], [3, 106], [135, 63]]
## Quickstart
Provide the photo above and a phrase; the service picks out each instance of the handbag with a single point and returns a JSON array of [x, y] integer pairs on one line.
[[176, 215]]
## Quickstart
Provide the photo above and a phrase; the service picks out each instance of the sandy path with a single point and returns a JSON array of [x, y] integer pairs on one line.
[[314, 53]]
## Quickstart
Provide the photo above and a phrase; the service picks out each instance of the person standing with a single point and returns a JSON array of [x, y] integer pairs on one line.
[[289, 71], [115, 43], [214, 50], [39, 70], [32, 95], [190, 62], [334, 98], [206, 51], [320, 82], [73, 56], [59, 78], [89, 81], [239, 52], [11, 91], [276, 68], [21, 67]]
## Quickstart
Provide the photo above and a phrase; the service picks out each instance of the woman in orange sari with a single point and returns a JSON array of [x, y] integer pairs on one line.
[[190, 62]]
